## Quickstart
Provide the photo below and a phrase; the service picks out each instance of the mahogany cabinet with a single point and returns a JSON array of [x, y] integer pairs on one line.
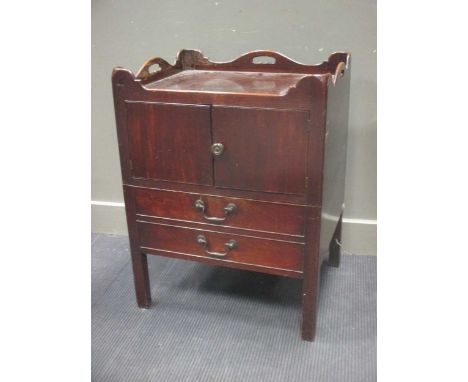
[[238, 164]]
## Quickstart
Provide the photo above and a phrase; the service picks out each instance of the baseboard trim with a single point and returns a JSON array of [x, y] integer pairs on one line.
[[108, 204], [359, 221], [108, 217], [359, 235], [359, 239]]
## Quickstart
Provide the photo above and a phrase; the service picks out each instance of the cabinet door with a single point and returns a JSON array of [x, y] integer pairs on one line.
[[170, 142], [263, 149]]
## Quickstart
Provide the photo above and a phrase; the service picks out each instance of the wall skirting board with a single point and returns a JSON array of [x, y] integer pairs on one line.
[[359, 235]]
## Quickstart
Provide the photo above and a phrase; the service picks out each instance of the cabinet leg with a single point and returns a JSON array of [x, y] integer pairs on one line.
[[335, 246], [309, 311], [310, 281], [141, 279]]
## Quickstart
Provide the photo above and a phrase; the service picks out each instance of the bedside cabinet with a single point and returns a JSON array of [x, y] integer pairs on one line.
[[238, 164]]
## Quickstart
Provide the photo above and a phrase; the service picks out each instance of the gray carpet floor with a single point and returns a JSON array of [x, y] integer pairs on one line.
[[216, 324]]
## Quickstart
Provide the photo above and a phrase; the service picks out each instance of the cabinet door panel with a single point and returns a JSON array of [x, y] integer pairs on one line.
[[264, 149], [170, 142]]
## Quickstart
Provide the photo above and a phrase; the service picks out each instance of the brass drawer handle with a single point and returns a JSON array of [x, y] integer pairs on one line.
[[231, 244], [228, 209]]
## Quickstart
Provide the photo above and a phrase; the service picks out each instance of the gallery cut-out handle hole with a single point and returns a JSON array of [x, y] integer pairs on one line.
[[154, 68], [264, 60]]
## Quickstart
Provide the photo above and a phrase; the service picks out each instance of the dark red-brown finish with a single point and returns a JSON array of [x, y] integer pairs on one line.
[[170, 142], [218, 191], [220, 82], [284, 130], [249, 214], [139, 260], [265, 149], [250, 250]]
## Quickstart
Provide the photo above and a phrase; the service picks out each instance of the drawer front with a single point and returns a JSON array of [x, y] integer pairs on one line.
[[230, 212], [203, 243]]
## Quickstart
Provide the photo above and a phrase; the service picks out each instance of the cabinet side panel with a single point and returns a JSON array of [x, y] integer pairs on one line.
[[334, 159], [119, 80]]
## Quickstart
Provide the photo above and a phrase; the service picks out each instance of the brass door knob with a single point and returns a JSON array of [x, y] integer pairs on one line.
[[217, 149]]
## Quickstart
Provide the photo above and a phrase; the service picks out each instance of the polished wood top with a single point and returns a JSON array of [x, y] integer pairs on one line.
[[229, 82]]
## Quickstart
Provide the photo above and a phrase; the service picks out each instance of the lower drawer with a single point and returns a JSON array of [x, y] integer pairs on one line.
[[196, 243]]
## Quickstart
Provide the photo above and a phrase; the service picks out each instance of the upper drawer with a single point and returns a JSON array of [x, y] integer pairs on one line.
[[226, 211]]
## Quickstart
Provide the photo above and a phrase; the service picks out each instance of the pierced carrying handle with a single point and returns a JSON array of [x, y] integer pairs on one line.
[[228, 209], [145, 72], [231, 244], [339, 72], [337, 65], [255, 57]]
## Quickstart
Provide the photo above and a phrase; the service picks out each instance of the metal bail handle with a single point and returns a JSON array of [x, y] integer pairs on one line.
[[228, 209], [231, 244]]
